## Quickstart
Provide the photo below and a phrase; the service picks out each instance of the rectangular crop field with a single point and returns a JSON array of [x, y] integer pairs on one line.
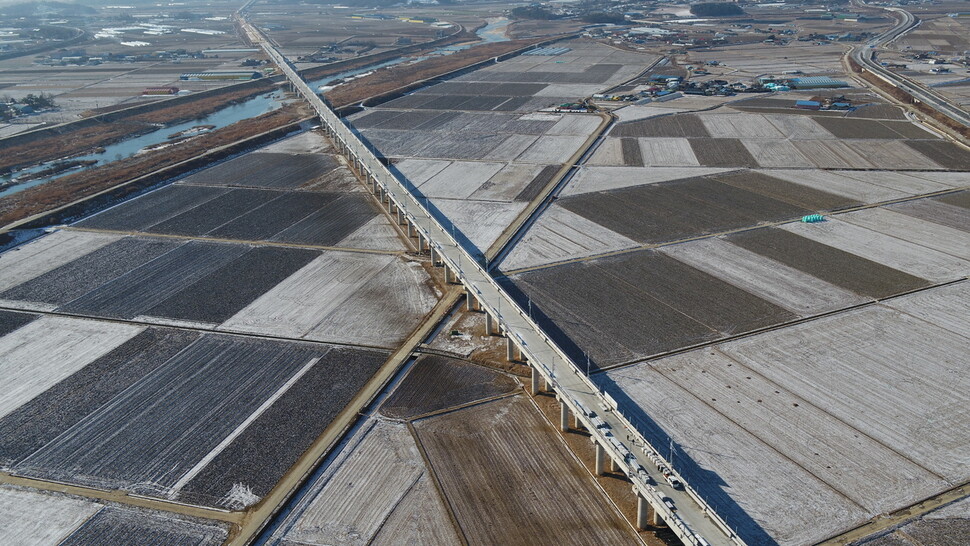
[[118, 526], [935, 211], [38, 519], [151, 435], [47, 253], [152, 208], [800, 195], [914, 259], [328, 299], [776, 153], [144, 287], [831, 264], [722, 152], [435, 383], [335, 221], [39, 355], [86, 273], [57, 409], [266, 170], [785, 286], [677, 126], [665, 305], [224, 292], [377, 475], [673, 152], [501, 461], [850, 365]]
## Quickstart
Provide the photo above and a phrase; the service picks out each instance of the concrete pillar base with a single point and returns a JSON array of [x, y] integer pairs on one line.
[[600, 460], [490, 325], [614, 466], [642, 510], [657, 520], [563, 417], [535, 381], [410, 230], [449, 276], [510, 350]]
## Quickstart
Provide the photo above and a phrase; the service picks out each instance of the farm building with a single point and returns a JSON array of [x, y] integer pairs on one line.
[[237, 75], [160, 91], [816, 82]]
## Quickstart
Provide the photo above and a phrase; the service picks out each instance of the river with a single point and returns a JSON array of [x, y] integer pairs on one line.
[[493, 31]]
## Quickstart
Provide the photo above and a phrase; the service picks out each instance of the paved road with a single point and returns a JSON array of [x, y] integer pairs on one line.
[[691, 520], [863, 55]]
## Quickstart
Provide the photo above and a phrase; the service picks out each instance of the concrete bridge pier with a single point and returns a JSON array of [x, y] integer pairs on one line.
[[614, 466], [642, 511], [450, 277], [410, 230], [513, 354], [563, 416], [400, 218], [491, 325], [600, 459], [471, 302], [535, 381]]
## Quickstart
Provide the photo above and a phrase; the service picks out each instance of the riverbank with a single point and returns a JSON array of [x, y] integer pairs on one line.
[[149, 169], [81, 138]]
